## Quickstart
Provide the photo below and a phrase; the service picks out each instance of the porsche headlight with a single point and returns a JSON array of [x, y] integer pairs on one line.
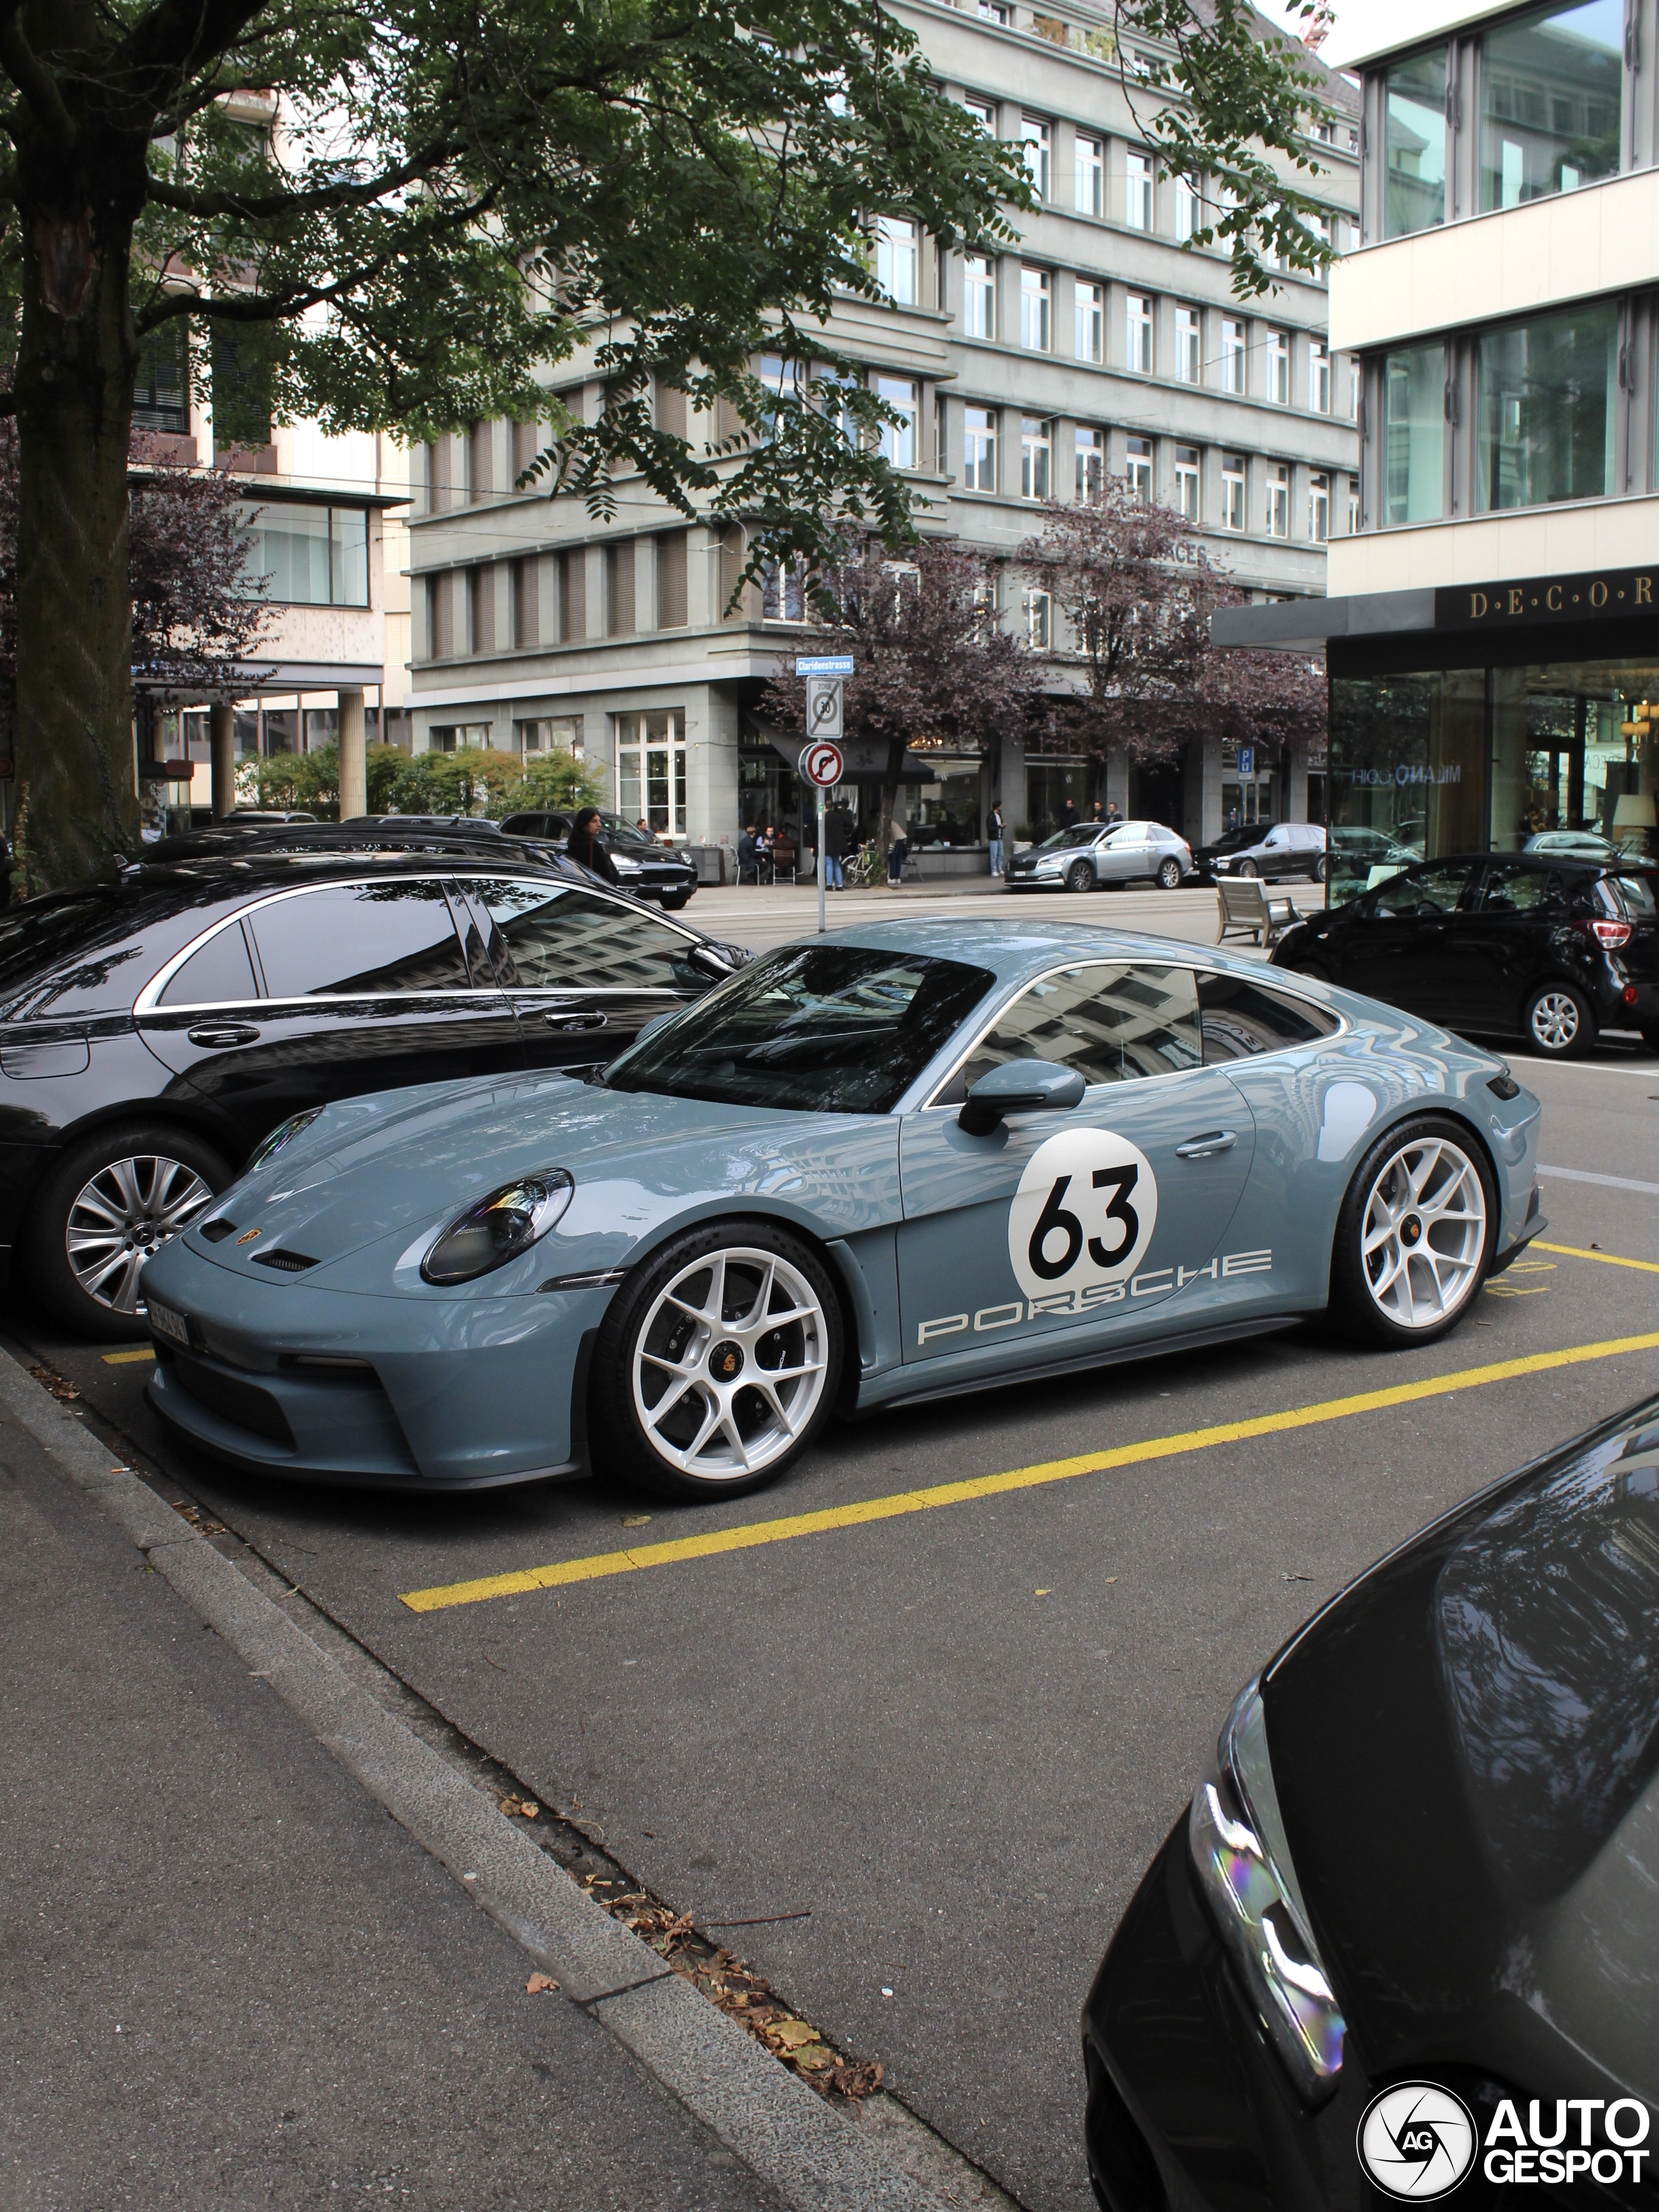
[[1242, 1858], [496, 1229], [283, 1133]]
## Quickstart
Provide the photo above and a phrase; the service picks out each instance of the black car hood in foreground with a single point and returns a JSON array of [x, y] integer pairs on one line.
[[1466, 1748]]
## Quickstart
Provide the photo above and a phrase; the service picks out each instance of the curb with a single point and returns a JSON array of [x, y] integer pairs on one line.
[[782, 2130]]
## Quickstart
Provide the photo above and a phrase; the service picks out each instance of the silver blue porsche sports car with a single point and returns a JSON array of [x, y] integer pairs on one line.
[[887, 1164]]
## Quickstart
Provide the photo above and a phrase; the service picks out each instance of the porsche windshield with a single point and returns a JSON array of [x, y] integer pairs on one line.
[[840, 1028]]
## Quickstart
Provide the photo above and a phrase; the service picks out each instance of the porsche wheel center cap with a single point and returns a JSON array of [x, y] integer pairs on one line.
[[1411, 1228], [726, 1361]]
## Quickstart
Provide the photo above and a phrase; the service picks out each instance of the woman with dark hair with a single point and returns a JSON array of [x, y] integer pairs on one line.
[[585, 845]]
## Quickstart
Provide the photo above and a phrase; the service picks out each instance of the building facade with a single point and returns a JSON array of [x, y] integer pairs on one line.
[[1492, 638], [1099, 342]]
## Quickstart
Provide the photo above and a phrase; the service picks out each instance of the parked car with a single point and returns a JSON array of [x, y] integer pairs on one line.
[[1585, 844], [647, 869], [1410, 1911], [1271, 850], [154, 1030], [1095, 854], [248, 818], [1540, 945]]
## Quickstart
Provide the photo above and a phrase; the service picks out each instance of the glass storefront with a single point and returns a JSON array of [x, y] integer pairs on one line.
[[1434, 762]]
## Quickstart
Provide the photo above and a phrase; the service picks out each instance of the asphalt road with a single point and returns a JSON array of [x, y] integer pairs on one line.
[[954, 1737]]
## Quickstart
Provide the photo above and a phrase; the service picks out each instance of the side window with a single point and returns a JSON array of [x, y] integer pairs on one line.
[[1437, 889], [560, 936], [1109, 1022], [1242, 1019], [218, 974], [360, 940], [1517, 889]]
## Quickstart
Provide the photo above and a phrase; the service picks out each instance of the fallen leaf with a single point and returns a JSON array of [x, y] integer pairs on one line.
[[634, 1520], [530, 1808], [1043, 1592], [814, 2055], [793, 2033], [857, 2080], [537, 1983], [1111, 1578]]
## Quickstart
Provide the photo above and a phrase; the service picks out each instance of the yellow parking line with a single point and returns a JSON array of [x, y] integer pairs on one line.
[[125, 1358], [1609, 1259], [716, 1540]]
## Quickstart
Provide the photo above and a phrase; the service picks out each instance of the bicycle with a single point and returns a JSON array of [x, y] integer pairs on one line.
[[863, 868]]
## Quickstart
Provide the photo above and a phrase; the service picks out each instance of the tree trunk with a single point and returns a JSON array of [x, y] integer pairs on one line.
[[77, 362]]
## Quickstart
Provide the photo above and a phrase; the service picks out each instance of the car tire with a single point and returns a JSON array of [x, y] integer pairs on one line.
[[1558, 1022], [666, 1415], [1321, 869], [1247, 868], [1414, 1236], [1168, 875], [1651, 1038], [1080, 877], [103, 1207], [673, 900]]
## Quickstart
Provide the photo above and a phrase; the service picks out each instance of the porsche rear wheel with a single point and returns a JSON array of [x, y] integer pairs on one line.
[[1415, 1237], [717, 1362]]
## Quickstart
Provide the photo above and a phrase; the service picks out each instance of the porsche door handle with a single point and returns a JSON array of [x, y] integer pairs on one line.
[[223, 1033], [1205, 1147], [576, 1021]]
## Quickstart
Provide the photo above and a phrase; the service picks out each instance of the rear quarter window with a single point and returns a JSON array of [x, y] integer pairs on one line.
[[1242, 1018]]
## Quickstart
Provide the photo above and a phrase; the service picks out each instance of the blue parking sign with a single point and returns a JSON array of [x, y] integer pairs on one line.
[[1247, 760]]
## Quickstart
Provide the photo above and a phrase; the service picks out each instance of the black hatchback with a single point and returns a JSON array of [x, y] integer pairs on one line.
[[154, 1030], [1408, 1931], [1538, 944]]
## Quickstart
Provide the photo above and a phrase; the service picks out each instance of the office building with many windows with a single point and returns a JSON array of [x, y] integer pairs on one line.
[[1098, 341], [1492, 636]]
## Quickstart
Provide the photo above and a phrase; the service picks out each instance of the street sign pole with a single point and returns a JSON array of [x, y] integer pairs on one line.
[[822, 761], [821, 886]]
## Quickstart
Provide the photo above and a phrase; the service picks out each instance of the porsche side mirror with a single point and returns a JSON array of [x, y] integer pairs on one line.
[[1019, 1086]]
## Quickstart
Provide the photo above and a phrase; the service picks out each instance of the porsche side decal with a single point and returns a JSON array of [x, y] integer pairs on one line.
[[1089, 1297]]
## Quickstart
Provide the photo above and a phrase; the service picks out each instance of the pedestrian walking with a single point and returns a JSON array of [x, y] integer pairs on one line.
[[897, 854], [748, 856], [585, 845], [837, 840], [1068, 814], [994, 836]]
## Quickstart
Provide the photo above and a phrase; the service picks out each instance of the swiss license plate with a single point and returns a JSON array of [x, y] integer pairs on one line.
[[166, 1322]]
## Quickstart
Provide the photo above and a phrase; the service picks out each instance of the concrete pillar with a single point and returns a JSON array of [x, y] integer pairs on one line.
[[221, 752], [353, 766]]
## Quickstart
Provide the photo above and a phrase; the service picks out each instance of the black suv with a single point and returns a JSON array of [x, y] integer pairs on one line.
[[155, 1029], [1540, 944], [647, 869]]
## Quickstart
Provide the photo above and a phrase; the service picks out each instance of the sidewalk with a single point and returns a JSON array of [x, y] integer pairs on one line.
[[228, 1978]]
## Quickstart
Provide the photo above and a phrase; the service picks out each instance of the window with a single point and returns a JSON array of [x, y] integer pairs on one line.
[[315, 556], [550, 733], [1091, 480], [1138, 333], [1109, 1022], [978, 296], [1232, 353], [1188, 324], [1088, 176], [1551, 88], [1353, 507], [1187, 482], [452, 737], [672, 610], [829, 387], [1038, 610], [559, 937], [1188, 208], [984, 112], [1319, 376], [896, 258], [1138, 467], [481, 604], [979, 449], [816, 1028], [783, 592], [359, 940], [993, 11], [1279, 368], [898, 440], [1414, 126], [1319, 506], [1278, 500], [526, 598], [1242, 1019], [161, 393], [1138, 190], [242, 387], [1035, 449], [651, 770], [1232, 491], [220, 974], [1035, 136], [1546, 394], [1353, 388], [1089, 302], [1414, 434], [1034, 310]]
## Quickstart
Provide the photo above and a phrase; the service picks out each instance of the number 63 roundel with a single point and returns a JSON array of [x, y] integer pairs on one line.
[[1084, 1213]]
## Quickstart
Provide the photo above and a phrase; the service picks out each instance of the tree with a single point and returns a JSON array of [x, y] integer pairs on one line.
[[433, 205], [1141, 620], [931, 665]]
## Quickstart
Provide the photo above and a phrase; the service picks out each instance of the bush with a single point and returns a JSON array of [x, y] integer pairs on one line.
[[468, 781]]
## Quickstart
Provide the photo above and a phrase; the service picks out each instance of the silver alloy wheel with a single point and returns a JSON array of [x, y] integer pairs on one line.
[[1168, 875], [1555, 1020], [729, 1364], [121, 1215], [1424, 1233]]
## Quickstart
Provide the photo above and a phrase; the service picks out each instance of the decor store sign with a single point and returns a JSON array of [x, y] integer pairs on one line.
[[1546, 599]]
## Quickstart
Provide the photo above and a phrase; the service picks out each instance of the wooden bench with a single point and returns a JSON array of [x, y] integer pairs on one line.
[[1247, 910]]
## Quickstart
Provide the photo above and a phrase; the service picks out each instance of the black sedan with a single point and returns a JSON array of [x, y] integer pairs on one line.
[[1273, 850], [646, 868], [1408, 1928], [1539, 945], [154, 1029]]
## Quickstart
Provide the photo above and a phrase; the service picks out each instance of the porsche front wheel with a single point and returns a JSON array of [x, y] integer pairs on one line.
[[1414, 1239], [717, 1362]]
